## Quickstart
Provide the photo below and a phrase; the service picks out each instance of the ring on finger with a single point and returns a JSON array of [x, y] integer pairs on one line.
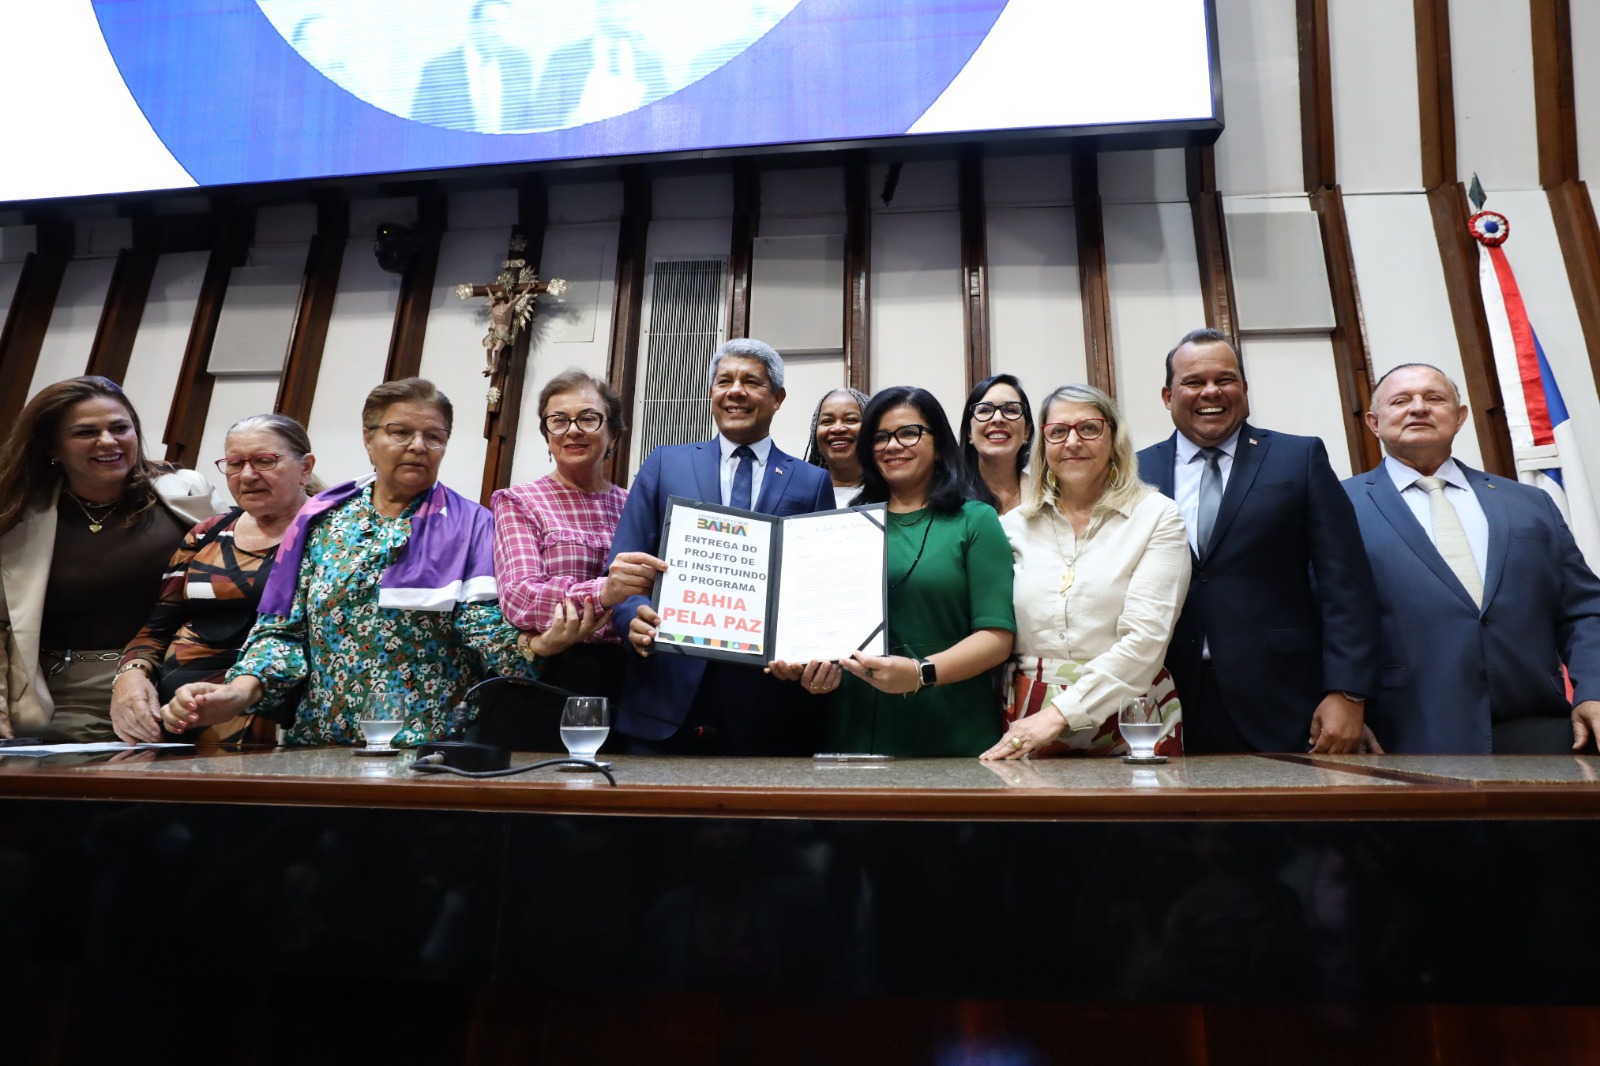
[[1016, 742]]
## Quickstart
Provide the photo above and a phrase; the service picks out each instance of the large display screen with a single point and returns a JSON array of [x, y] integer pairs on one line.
[[103, 96]]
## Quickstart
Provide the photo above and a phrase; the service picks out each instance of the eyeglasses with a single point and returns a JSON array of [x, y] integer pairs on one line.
[[589, 421], [906, 436], [1088, 429], [263, 462], [401, 436], [1011, 410]]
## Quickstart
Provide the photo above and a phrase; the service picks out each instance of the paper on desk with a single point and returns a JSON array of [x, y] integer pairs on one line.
[[88, 749]]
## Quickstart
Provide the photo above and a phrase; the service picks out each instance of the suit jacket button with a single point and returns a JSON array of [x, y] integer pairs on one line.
[[1202, 575], [1484, 621]]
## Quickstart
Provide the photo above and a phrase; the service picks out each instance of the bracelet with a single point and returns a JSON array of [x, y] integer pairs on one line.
[[136, 664]]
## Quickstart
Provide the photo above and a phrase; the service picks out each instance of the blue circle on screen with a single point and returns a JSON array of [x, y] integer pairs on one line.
[[234, 102]]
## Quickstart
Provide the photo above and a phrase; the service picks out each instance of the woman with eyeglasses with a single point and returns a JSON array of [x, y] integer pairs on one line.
[[213, 583], [949, 573], [1102, 568], [551, 540], [381, 586], [87, 524], [995, 437]]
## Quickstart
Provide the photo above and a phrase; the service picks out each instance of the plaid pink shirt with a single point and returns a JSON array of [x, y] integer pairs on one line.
[[550, 545]]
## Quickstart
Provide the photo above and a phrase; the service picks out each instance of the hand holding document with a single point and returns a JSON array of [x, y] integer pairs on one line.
[[748, 587]]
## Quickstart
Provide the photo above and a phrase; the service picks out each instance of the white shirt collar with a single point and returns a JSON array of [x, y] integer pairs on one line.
[[1188, 449], [762, 448], [1405, 476]]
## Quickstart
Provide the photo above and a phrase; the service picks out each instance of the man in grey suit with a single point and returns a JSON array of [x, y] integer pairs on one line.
[[1484, 592]]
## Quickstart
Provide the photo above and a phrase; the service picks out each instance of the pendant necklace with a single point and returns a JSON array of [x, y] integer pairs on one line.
[[928, 517], [1069, 572], [96, 522]]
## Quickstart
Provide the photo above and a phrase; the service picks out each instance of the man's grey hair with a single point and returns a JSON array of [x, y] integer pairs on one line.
[[749, 348], [1455, 390]]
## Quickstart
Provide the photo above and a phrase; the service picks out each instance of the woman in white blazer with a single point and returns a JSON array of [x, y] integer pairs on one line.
[[87, 524]]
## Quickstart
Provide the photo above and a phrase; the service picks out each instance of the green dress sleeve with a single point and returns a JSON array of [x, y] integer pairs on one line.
[[988, 569]]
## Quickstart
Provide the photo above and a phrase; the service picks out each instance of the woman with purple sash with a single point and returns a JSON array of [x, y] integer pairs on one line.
[[384, 584]]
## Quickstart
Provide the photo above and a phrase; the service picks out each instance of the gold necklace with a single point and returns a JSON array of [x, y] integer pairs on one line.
[[1069, 572], [95, 524]]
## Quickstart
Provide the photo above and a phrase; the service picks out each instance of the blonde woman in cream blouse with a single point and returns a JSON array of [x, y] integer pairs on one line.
[[1101, 569]]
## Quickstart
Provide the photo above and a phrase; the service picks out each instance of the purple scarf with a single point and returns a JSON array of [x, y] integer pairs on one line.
[[448, 559]]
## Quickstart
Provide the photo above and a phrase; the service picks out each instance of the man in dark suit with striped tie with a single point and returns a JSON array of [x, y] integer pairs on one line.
[[673, 703], [1275, 649]]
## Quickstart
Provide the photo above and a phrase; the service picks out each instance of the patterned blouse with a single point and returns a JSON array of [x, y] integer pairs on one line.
[[341, 645], [208, 603], [550, 544]]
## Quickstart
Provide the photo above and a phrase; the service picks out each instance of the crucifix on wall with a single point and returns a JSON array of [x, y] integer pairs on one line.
[[510, 298]]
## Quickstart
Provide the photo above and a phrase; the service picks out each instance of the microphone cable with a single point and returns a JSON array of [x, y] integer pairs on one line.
[[434, 764]]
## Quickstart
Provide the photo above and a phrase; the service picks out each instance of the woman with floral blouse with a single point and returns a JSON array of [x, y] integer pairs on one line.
[[381, 584]]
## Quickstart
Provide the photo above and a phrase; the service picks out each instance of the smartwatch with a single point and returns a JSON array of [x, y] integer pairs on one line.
[[927, 673]]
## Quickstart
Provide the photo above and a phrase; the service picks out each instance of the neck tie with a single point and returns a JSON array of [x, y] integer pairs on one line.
[[1210, 499], [742, 477], [1451, 539]]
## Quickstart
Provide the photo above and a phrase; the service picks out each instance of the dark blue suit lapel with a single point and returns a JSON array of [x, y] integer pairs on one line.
[[1163, 456], [1380, 488], [1494, 509], [1248, 455], [707, 472], [775, 481]]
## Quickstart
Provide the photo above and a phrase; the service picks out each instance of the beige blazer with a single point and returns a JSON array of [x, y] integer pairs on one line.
[[25, 553]]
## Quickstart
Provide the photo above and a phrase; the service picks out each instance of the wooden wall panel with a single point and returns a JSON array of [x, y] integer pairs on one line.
[[308, 336], [627, 305], [28, 318], [974, 267], [1435, 92], [857, 276], [1093, 281], [741, 251], [1459, 254], [1211, 241], [1316, 95], [1350, 353], [112, 346], [416, 288], [233, 228]]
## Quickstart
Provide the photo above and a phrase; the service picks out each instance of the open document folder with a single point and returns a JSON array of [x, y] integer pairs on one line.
[[752, 588]]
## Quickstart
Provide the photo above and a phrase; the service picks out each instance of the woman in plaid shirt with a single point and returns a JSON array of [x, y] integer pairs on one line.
[[551, 539]]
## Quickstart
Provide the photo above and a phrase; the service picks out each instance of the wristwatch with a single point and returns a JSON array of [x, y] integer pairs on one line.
[[1354, 697], [927, 673]]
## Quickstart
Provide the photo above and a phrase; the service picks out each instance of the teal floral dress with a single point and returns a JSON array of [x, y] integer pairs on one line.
[[340, 645]]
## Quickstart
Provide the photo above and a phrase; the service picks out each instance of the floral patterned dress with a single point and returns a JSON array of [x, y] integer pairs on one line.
[[340, 645]]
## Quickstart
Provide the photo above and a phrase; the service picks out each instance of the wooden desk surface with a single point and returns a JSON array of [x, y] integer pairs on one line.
[[1236, 787]]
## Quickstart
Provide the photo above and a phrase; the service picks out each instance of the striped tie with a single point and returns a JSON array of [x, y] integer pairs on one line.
[[1451, 539]]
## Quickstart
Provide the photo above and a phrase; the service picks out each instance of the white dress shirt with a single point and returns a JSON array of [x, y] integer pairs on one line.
[[1130, 578], [1474, 523], [484, 86], [762, 448], [1186, 471]]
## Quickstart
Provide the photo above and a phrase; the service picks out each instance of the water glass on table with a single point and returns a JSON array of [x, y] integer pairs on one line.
[[585, 724], [383, 715], [1139, 722]]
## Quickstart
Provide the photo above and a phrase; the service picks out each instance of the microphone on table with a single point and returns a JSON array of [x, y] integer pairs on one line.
[[461, 756]]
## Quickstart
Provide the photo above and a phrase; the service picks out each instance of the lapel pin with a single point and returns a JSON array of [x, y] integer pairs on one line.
[[1252, 440], [777, 470]]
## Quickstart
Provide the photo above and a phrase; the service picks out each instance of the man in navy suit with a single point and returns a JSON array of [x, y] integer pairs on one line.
[[1484, 592], [673, 703], [1275, 648]]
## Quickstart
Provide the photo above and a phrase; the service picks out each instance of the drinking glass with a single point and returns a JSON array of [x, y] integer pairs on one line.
[[1139, 721], [585, 724], [383, 714]]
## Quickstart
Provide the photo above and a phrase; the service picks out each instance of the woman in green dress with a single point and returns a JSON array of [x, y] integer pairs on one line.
[[950, 615]]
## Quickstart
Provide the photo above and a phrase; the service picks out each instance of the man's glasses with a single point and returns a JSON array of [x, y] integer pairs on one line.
[[906, 436], [263, 462], [589, 422], [1088, 429], [401, 436], [1011, 410]]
